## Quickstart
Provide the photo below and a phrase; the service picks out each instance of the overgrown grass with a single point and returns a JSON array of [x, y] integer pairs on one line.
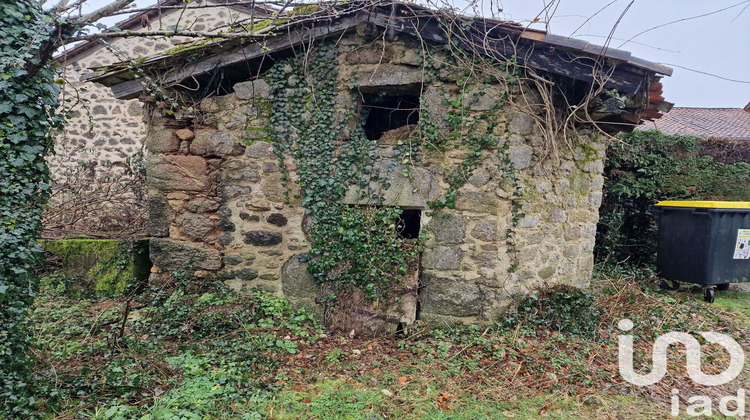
[[336, 399], [736, 302], [219, 355], [163, 354]]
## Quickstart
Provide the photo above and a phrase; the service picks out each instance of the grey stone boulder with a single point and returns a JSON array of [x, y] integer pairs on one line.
[[478, 202], [521, 123], [529, 221], [162, 141], [442, 258], [176, 173], [486, 230], [254, 89], [449, 296], [447, 228], [194, 225], [521, 156], [402, 192], [201, 205], [384, 75], [260, 150], [482, 99], [167, 255], [480, 178], [296, 281], [215, 143]]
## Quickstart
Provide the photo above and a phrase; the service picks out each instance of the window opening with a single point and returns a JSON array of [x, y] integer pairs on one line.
[[388, 111], [409, 223]]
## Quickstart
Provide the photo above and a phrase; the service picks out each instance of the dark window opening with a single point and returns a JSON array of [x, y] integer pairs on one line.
[[388, 112], [409, 223]]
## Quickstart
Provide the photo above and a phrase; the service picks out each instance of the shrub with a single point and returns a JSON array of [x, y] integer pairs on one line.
[[645, 167], [562, 308]]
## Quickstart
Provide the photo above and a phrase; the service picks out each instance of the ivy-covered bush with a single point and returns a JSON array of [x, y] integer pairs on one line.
[[361, 247], [28, 99], [645, 167], [562, 308]]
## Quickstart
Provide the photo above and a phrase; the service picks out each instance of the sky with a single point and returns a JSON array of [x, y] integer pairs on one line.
[[717, 44], [707, 43]]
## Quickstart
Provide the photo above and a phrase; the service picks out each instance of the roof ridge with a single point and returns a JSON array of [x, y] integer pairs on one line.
[[136, 17], [696, 107]]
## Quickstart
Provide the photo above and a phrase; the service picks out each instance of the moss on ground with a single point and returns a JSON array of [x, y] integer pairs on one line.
[[103, 266]]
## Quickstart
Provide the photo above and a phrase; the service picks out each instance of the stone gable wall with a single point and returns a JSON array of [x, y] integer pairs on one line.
[[218, 203], [104, 132]]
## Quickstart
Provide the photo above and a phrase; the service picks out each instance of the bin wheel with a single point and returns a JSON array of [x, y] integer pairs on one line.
[[722, 287], [669, 284], [709, 294]]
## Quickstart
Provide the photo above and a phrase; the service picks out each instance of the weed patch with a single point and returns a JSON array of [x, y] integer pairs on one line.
[[163, 354], [221, 355], [561, 308]]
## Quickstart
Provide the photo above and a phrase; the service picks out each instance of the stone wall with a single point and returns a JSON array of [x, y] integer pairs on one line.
[[94, 178], [218, 204]]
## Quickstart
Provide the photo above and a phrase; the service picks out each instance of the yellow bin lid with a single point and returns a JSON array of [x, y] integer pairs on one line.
[[707, 204]]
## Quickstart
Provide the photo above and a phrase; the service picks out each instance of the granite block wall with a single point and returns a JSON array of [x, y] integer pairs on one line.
[[219, 207]]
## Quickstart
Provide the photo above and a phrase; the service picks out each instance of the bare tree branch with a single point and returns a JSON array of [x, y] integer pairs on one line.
[[61, 6], [105, 11]]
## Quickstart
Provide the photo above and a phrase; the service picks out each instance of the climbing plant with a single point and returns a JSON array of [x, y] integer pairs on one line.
[[359, 245], [476, 133], [28, 99], [350, 245]]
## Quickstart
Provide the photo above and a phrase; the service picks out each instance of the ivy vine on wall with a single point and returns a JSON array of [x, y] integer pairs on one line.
[[350, 245], [28, 99], [359, 246]]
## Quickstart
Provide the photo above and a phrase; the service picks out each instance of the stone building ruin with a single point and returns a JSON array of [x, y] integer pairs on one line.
[[99, 149], [489, 138]]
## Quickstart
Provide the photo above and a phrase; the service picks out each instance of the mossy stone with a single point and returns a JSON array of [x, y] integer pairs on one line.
[[106, 267]]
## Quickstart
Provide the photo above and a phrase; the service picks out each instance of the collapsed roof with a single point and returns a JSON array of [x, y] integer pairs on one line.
[[633, 81]]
